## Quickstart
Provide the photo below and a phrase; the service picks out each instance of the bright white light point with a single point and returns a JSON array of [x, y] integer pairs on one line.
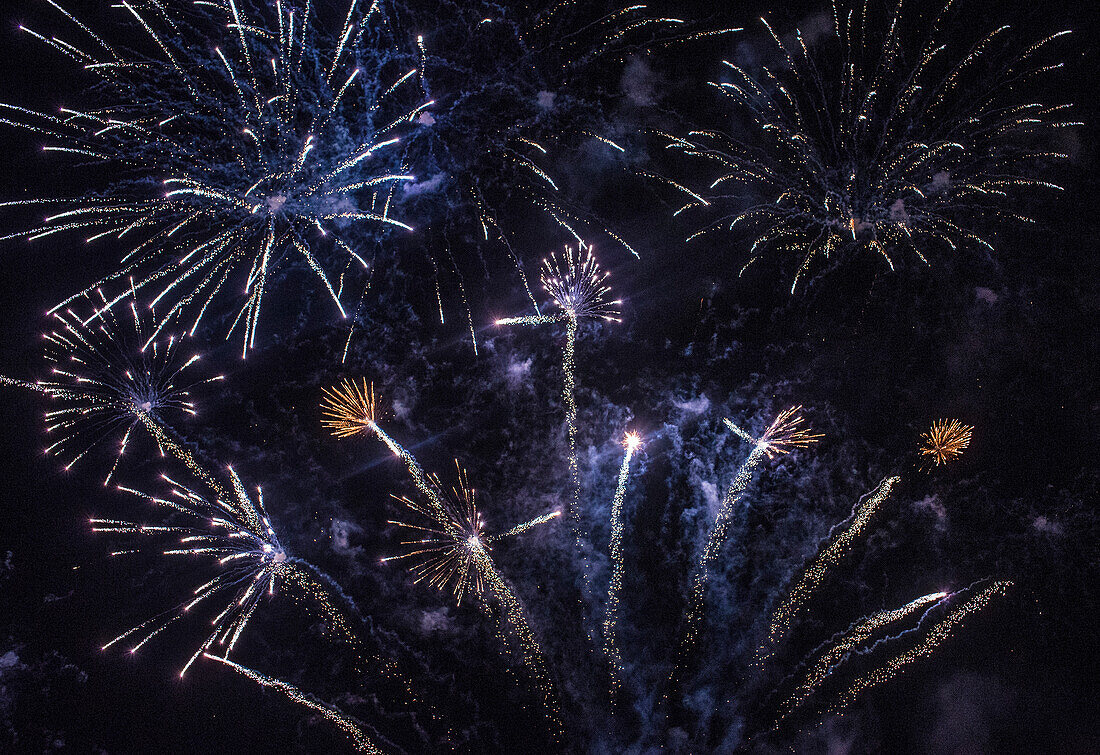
[[473, 541], [632, 440]]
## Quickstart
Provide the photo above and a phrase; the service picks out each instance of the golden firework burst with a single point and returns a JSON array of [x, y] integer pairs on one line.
[[348, 408], [945, 440]]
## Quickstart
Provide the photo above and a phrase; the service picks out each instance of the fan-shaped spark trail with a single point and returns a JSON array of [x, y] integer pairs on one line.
[[453, 547], [787, 432], [455, 551], [577, 286]]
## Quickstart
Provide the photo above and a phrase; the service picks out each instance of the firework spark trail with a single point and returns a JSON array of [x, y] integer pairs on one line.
[[631, 442], [226, 168], [109, 377], [455, 550], [787, 431], [936, 636], [347, 724], [945, 441], [828, 556], [859, 151], [577, 286], [837, 650]]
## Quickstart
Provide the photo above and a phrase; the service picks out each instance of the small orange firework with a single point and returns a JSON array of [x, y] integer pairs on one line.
[[348, 408], [946, 440], [787, 433]]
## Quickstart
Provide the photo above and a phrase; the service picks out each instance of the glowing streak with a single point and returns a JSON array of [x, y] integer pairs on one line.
[[835, 546], [631, 442], [351, 727], [938, 634]]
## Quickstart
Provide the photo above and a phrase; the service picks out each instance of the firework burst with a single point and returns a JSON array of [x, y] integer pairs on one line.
[[241, 142], [233, 531], [876, 141], [945, 441], [108, 377]]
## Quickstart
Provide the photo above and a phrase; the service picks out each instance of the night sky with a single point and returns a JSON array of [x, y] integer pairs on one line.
[[1005, 341]]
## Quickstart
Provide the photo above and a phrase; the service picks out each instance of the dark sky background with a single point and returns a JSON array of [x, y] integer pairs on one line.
[[1005, 341]]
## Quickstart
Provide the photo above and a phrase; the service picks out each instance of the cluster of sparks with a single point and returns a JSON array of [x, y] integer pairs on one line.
[[864, 143], [945, 441], [230, 164]]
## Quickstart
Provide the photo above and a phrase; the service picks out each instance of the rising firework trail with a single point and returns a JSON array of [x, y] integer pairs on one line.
[[577, 286], [109, 377], [889, 136], [239, 142], [836, 544], [788, 431], [631, 442], [839, 649], [925, 647]]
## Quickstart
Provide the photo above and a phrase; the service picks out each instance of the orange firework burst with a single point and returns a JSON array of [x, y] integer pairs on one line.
[[788, 432], [945, 440], [348, 408]]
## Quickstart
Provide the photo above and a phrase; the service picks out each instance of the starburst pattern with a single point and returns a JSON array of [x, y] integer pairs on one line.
[[945, 441]]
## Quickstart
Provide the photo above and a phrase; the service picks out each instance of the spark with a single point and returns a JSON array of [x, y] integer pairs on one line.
[[946, 440]]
